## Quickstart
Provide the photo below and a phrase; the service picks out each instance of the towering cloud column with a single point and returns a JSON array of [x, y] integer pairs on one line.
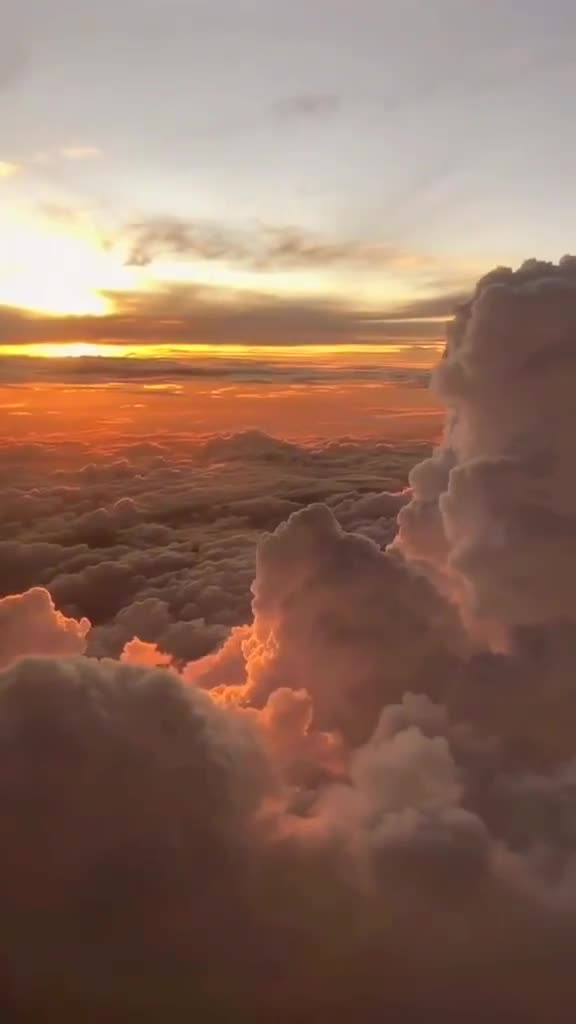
[[492, 520]]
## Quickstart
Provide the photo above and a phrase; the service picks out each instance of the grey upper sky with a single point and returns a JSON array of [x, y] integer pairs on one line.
[[442, 127]]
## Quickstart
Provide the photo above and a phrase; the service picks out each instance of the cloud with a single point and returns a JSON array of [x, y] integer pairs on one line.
[[261, 247], [494, 513], [140, 652], [171, 374], [311, 577], [308, 105], [440, 306], [86, 740], [157, 540], [189, 314], [30, 624], [356, 803], [166, 814]]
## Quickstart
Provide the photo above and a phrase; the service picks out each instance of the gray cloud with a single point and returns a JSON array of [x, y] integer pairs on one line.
[[139, 370], [262, 247], [494, 511], [86, 739], [167, 813], [187, 314]]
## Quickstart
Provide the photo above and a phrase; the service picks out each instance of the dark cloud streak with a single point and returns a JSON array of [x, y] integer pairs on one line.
[[188, 314]]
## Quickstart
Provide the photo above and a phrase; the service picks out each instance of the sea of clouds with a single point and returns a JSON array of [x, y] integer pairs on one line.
[[282, 738]]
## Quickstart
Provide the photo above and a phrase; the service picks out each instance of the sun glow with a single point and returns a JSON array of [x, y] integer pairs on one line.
[[58, 272], [67, 350], [419, 355]]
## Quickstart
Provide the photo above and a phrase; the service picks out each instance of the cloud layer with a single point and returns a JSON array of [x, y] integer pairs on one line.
[[361, 800], [196, 314], [157, 537]]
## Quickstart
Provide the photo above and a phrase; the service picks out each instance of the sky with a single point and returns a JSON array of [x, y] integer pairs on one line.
[[287, 511], [272, 173]]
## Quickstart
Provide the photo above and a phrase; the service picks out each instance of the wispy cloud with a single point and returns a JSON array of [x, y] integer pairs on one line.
[[262, 247]]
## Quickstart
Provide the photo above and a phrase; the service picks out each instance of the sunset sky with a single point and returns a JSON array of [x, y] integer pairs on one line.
[[209, 187], [270, 173], [288, 511]]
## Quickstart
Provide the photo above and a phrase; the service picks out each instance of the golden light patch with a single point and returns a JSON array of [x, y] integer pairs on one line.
[[65, 350], [57, 272]]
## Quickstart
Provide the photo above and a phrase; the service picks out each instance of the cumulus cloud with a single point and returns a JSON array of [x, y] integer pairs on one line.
[[311, 579], [157, 539], [139, 652], [493, 515], [31, 624], [128, 786], [359, 804]]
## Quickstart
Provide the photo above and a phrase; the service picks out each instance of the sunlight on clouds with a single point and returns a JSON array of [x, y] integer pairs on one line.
[[66, 350], [65, 265], [420, 354], [68, 269]]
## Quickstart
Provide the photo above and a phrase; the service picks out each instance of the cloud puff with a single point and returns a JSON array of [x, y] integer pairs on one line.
[[311, 579], [31, 624]]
